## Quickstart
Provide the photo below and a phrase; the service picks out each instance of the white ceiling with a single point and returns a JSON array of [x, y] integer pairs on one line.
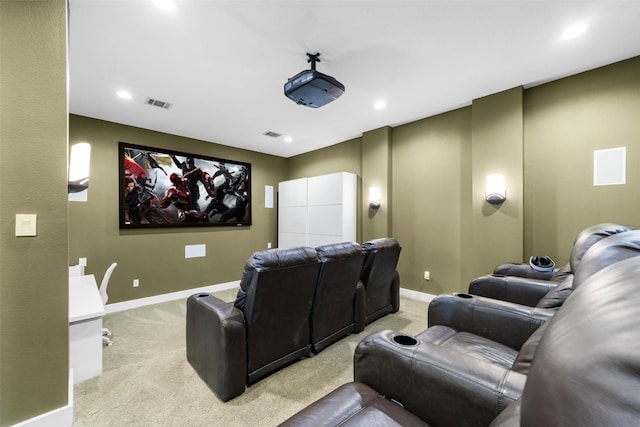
[[223, 64]]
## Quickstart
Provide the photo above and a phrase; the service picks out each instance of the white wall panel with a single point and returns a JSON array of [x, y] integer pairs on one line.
[[315, 240], [292, 193], [292, 240], [292, 219], [320, 208], [325, 219], [325, 189]]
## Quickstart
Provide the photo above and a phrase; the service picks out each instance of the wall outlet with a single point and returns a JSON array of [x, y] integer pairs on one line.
[[427, 275], [136, 283], [268, 245]]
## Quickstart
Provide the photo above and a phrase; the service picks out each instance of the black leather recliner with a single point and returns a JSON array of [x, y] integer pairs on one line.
[[530, 291], [266, 328], [380, 277], [585, 371], [511, 324], [557, 274], [338, 304]]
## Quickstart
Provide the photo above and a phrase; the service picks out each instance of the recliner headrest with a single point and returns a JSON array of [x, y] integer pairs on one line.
[[376, 244], [280, 258], [605, 252], [587, 237], [336, 251]]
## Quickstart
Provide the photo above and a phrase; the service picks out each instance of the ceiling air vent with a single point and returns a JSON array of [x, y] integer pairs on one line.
[[272, 134], [158, 103]]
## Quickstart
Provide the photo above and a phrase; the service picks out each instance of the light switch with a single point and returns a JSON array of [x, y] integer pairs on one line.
[[26, 224]]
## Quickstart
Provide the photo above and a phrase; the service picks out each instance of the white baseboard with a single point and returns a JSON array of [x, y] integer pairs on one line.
[[415, 295], [60, 417], [157, 299]]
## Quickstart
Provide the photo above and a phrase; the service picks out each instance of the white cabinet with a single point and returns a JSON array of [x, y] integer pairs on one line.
[[317, 210]]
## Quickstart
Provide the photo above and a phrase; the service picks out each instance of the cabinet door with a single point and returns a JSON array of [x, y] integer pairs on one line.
[[326, 213], [292, 213]]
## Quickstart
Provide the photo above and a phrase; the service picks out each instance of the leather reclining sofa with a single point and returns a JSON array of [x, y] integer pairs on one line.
[[526, 303], [520, 283], [476, 366], [292, 302]]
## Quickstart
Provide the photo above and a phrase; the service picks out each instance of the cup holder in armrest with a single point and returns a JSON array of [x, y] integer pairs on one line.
[[465, 296], [405, 340], [201, 295], [497, 275]]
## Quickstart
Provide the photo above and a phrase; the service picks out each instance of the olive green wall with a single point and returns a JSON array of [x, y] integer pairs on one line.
[[34, 295], [343, 157], [431, 187], [156, 257], [542, 139], [434, 172], [376, 173], [497, 147], [565, 121]]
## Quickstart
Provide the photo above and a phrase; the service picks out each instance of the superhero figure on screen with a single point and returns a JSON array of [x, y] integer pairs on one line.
[[192, 175], [239, 211], [141, 204], [179, 196]]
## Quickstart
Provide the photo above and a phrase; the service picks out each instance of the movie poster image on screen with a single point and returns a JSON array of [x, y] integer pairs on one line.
[[166, 188]]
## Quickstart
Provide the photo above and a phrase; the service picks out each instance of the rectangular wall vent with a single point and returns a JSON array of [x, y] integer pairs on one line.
[[272, 134], [158, 103]]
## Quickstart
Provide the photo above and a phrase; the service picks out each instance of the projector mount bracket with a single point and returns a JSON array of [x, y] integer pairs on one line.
[[313, 58]]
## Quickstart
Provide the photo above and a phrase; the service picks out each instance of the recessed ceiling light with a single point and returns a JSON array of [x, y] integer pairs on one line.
[[165, 4], [380, 105], [574, 31], [288, 139], [123, 94]]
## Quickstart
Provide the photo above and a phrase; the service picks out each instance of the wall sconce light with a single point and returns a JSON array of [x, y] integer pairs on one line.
[[79, 167], [79, 172], [495, 191], [375, 198]]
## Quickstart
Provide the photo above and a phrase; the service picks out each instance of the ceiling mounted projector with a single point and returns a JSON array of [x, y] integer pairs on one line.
[[312, 88]]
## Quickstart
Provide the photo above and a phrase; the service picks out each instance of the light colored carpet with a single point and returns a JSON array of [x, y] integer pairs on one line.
[[147, 380]]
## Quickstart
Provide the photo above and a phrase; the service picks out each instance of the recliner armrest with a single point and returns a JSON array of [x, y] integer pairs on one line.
[[359, 309], [520, 290], [395, 293], [439, 385], [217, 344], [504, 322], [524, 270]]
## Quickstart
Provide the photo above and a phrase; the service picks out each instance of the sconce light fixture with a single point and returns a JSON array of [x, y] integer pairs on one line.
[[375, 197], [495, 191], [79, 167]]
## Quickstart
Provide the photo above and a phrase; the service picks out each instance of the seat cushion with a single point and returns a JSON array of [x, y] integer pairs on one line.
[[470, 344], [354, 404], [558, 295]]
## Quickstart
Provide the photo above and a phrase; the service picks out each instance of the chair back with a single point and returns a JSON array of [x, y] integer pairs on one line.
[[278, 286], [588, 237], [586, 367], [333, 315], [105, 283], [605, 252], [380, 278]]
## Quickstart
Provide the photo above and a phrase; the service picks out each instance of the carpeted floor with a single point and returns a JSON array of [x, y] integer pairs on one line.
[[147, 380]]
